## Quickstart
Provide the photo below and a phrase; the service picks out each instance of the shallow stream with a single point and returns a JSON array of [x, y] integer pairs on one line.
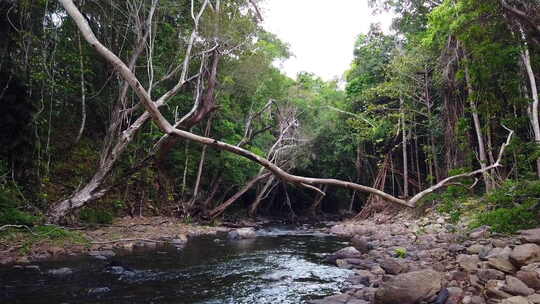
[[279, 266]]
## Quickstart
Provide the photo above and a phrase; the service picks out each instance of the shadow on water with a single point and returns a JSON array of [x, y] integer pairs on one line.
[[279, 266]]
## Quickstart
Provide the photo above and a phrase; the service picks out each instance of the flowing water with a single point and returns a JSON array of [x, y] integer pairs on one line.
[[279, 266]]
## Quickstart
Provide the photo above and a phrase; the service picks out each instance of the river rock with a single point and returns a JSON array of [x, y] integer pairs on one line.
[[468, 262], [525, 254], [361, 244], [531, 235], [481, 250], [179, 242], [499, 252], [144, 245], [98, 290], [242, 234], [516, 300], [530, 278], [535, 298], [347, 253], [60, 272], [502, 264], [410, 288], [516, 287], [480, 233], [391, 266], [455, 295], [345, 230], [102, 253], [32, 267], [455, 248], [494, 289], [490, 274]]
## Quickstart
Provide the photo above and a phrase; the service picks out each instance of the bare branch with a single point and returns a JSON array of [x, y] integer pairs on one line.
[[165, 126]]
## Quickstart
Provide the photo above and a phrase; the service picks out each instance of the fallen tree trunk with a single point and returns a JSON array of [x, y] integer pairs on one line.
[[168, 128]]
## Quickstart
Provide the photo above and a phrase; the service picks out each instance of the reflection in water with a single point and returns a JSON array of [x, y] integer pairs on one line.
[[279, 266]]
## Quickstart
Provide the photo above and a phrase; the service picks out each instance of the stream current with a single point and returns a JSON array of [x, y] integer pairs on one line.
[[279, 266]]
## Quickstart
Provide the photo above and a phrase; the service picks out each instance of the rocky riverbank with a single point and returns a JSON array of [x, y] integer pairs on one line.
[[123, 236], [427, 260]]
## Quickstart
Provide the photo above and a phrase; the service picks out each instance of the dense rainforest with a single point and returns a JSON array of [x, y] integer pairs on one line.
[[176, 108]]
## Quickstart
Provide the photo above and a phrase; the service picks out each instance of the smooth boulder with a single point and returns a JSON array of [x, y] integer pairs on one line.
[[525, 254], [410, 288], [361, 244], [242, 234], [531, 235]]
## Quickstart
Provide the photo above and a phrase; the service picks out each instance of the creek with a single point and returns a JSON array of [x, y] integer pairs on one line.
[[279, 266]]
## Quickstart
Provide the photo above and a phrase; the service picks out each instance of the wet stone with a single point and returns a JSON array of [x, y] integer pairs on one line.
[[98, 290], [64, 271]]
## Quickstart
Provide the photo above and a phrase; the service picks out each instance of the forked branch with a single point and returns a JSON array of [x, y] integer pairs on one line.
[[166, 127]]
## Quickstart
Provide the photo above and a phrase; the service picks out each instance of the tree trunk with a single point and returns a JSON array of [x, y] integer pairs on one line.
[[255, 205], [429, 103], [533, 108], [404, 148], [219, 209], [478, 129], [314, 208], [83, 91], [201, 164]]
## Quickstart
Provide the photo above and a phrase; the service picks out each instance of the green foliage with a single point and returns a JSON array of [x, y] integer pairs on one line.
[[507, 220], [513, 193], [400, 253], [51, 234], [10, 214], [511, 207], [451, 201], [93, 216]]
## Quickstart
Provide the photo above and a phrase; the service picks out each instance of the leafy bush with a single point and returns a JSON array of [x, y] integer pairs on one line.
[[507, 220], [10, 213], [451, 201], [511, 207], [95, 216], [513, 193]]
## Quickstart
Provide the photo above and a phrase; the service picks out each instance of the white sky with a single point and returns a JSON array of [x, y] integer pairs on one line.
[[321, 33]]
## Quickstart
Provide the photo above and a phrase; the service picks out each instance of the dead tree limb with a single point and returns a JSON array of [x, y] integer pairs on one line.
[[152, 109]]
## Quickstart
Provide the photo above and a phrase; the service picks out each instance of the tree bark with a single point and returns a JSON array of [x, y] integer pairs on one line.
[[317, 202], [478, 129], [83, 91], [533, 108], [201, 164], [256, 203], [219, 209], [404, 148]]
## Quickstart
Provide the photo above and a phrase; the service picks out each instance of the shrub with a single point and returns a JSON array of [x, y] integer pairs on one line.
[[511, 207], [95, 216], [507, 220], [10, 213], [451, 201], [400, 253]]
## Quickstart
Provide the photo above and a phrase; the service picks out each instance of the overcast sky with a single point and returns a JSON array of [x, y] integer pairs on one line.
[[321, 33]]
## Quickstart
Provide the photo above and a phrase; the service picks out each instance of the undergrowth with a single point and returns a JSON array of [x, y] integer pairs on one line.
[[512, 207], [10, 210], [27, 238]]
